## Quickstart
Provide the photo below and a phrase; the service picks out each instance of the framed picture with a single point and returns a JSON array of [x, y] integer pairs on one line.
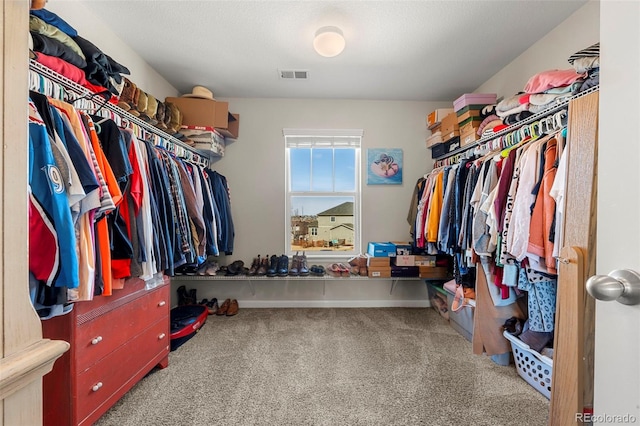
[[384, 166]]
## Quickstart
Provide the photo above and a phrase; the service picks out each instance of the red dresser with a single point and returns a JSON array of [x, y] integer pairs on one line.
[[115, 341]]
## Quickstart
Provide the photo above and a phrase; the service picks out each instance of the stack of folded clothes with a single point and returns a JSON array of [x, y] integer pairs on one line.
[[58, 46], [542, 91], [587, 61]]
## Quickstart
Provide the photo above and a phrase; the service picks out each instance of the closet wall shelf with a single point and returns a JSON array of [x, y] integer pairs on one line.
[[190, 153], [251, 280], [515, 126]]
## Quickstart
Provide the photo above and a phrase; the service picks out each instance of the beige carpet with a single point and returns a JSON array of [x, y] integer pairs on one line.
[[329, 367]]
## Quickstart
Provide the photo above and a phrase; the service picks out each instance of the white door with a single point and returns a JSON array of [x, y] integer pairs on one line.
[[617, 334]]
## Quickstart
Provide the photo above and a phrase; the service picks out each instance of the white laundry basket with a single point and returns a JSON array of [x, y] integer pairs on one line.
[[536, 369]]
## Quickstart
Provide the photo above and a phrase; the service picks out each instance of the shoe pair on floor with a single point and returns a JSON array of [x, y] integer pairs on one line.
[[229, 307]]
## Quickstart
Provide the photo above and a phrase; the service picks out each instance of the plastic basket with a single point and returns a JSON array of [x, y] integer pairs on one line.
[[536, 369]]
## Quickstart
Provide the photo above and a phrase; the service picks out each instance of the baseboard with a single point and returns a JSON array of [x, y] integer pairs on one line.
[[334, 303]]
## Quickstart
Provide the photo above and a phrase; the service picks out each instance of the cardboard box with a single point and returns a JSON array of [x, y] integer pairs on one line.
[[474, 121], [474, 99], [405, 271], [381, 249], [445, 147], [433, 272], [233, 127], [402, 247], [434, 139], [425, 260], [449, 124], [468, 136], [451, 135], [202, 112], [379, 271], [405, 260], [378, 261], [435, 117], [476, 108], [469, 114]]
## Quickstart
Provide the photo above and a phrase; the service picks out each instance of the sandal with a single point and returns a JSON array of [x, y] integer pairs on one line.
[[344, 271]]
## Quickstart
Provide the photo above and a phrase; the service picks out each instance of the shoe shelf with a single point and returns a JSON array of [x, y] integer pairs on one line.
[[251, 280]]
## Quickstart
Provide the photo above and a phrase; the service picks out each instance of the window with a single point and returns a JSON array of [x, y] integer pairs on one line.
[[323, 192]]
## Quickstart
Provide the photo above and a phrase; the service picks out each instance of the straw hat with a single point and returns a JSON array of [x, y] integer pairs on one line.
[[200, 92]]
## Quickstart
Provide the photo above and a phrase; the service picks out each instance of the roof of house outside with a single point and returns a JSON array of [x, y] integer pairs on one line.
[[344, 225], [344, 209]]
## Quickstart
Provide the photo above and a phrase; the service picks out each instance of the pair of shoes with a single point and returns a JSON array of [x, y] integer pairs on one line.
[[259, 266], [317, 270], [359, 265], [299, 265], [339, 270], [211, 270], [187, 269], [236, 268], [229, 308], [253, 270], [283, 266], [212, 305]]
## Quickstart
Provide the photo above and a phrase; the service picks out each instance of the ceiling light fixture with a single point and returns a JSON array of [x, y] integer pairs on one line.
[[329, 42]]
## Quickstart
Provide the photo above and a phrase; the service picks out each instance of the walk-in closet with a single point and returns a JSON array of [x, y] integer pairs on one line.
[[322, 212]]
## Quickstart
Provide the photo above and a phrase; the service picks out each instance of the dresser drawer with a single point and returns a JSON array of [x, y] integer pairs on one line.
[[115, 373], [102, 335]]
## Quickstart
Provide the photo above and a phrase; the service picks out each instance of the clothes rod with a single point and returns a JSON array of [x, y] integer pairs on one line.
[[516, 126], [198, 156]]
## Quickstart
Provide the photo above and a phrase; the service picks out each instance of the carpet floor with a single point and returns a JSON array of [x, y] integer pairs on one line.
[[390, 366]]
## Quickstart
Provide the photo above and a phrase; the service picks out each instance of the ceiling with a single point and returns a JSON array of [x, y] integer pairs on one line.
[[395, 50]]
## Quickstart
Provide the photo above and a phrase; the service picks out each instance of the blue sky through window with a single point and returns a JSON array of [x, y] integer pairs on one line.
[[322, 169]]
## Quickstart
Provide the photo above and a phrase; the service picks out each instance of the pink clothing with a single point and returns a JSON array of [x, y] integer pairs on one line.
[[549, 79]]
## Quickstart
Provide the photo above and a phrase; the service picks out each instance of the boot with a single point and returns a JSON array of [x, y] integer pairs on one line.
[[283, 266], [264, 265], [192, 299], [254, 266], [273, 267], [303, 269], [295, 264], [182, 295]]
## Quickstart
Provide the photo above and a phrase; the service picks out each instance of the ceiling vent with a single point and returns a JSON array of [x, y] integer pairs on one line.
[[293, 74]]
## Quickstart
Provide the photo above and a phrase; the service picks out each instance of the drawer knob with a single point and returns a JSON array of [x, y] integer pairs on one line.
[[96, 386], [161, 336], [96, 340], [162, 303]]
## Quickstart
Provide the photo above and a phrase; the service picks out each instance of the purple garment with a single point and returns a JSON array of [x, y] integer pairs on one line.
[[503, 188]]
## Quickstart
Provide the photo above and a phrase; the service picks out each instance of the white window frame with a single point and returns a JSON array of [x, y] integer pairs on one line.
[[329, 138]]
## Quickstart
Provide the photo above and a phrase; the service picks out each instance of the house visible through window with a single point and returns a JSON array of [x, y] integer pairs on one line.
[[323, 192]]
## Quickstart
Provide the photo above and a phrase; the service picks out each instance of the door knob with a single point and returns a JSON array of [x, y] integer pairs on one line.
[[622, 285]]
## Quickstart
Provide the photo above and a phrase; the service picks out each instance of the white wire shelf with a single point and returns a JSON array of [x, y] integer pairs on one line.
[[188, 152], [251, 279], [537, 116]]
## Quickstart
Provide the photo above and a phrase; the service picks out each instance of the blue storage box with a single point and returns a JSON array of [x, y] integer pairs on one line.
[[381, 249]]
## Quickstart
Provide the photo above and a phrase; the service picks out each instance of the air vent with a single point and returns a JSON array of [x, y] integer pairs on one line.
[[293, 74]]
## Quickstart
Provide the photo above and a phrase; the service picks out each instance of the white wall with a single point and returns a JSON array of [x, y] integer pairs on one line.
[[92, 28], [255, 168], [580, 30]]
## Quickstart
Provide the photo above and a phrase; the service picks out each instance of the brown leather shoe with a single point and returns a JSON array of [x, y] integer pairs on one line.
[[222, 310], [233, 308]]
